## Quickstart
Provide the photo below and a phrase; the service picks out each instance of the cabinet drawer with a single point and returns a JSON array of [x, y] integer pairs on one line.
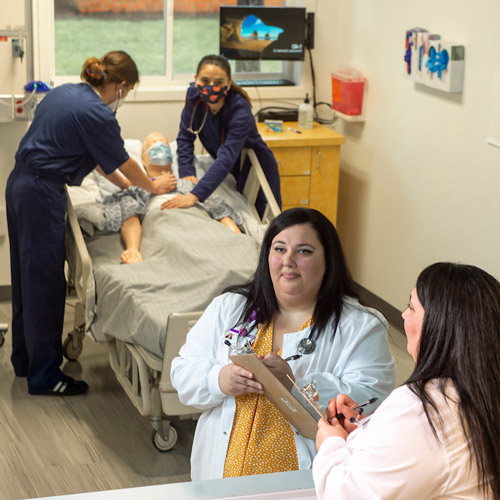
[[295, 190], [293, 161]]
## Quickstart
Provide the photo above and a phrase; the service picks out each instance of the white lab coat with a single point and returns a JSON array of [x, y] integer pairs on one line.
[[395, 455], [358, 362]]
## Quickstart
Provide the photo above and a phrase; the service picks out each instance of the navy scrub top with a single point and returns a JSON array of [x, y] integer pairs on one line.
[[224, 137], [72, 132]]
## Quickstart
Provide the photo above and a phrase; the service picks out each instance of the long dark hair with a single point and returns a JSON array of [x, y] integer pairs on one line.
[[222, 62], [337, 282], [460, 341]]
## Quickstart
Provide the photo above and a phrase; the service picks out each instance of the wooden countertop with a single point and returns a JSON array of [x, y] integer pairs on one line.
[[319, 135]]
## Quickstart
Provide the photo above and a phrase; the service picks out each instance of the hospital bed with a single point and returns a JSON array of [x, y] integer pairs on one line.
[[144, 311]]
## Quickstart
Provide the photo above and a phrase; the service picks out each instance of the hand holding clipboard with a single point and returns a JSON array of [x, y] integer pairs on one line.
[[296, 408]]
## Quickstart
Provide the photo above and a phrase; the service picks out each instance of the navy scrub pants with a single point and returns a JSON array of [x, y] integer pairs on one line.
[[36, 211]]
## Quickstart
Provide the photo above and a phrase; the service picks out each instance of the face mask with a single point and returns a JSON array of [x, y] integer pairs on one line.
[[117, 103], [160, 154], [212, 94]]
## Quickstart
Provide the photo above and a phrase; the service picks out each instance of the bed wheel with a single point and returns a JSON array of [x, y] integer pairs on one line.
[[2, 338], [70, 350], [162, 444]]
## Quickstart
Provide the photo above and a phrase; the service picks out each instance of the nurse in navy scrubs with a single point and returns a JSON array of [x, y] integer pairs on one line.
[[218, 112], [73, 131]]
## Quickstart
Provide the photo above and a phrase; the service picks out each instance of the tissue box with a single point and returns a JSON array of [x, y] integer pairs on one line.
[[276, 125], [445, 66], [434, 62]]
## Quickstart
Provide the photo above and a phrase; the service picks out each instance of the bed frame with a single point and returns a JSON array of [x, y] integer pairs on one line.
[[144, 376]]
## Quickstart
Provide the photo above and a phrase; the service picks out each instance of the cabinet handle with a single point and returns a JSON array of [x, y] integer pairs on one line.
[[319, 160]]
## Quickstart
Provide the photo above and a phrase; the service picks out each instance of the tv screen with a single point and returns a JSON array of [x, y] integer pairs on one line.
[[263, 33]]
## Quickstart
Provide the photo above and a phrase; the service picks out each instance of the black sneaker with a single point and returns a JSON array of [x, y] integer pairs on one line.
[[68, 386]]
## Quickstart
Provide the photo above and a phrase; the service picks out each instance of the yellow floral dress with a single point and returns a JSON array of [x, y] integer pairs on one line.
[[261, 440]]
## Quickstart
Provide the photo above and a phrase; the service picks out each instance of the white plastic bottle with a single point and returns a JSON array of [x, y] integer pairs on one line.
[[306, 114]]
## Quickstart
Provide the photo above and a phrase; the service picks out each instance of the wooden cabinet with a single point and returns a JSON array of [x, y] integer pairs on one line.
[[309, 166]]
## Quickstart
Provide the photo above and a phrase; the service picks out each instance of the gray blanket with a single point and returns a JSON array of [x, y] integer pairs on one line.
[[189, 258]]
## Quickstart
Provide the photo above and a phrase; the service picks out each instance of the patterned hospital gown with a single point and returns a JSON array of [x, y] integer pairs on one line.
[[118, 207]]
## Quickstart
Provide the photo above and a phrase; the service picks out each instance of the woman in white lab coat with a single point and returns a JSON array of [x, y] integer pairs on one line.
[[301, 314], [437, 436]]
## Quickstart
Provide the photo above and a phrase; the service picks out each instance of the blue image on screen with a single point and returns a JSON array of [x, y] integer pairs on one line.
[[253, 27]]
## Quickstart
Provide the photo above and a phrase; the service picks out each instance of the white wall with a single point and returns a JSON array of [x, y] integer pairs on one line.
[[418, 182]]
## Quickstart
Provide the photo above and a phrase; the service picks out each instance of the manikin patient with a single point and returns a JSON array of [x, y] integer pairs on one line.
[[123, 210]]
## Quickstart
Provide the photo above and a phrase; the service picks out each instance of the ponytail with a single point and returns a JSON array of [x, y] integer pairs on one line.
[[114, 67], [239, 90], [93, 72]]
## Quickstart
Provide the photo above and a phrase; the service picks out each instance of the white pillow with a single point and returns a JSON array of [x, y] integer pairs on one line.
[[95, 186], [87, 192]]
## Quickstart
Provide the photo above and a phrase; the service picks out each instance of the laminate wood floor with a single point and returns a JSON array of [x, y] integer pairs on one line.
[[99, 441]]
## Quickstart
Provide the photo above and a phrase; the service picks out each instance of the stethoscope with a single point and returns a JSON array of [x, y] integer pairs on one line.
[[190, 128], [241, 340], [306, 345]]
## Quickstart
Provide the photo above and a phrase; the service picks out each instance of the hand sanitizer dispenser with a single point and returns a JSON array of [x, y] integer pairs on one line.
[[306, 114]]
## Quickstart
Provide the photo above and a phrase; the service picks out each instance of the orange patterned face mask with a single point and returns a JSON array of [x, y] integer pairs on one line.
[[212, 94]]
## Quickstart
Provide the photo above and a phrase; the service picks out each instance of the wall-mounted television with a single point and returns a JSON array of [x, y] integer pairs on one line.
[[276, 33]]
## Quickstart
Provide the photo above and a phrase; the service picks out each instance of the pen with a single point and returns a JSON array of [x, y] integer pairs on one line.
[[359, 407], [295, 130], [291, 358], [369, 402]]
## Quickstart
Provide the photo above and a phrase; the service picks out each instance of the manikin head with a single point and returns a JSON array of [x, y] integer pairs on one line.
[[156, 154]]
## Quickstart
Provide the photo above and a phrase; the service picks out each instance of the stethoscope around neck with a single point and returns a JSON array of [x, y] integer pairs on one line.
[[306, 345], [241, 341], [190, 128]]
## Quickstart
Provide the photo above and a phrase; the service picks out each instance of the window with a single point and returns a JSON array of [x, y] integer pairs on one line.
[[166, 38], [84, 28]]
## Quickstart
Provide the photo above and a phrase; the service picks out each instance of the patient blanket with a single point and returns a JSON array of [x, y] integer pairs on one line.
[[189, 258]]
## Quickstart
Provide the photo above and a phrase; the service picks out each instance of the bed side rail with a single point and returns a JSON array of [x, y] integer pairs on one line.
[[255, 181], [77, 255], [178, 327], [134, 375]]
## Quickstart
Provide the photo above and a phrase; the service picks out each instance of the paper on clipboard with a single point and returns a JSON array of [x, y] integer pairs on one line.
[[292, 404]]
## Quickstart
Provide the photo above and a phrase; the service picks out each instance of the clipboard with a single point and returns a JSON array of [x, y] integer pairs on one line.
[[294, 406]]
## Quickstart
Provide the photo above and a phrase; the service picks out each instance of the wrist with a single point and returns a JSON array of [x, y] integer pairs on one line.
[[155, 189]]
